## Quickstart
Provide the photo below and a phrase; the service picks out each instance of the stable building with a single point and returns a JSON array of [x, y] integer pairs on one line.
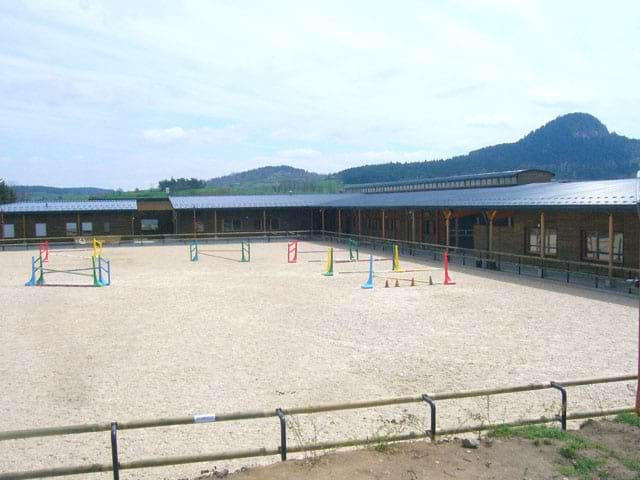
[[521, 213]]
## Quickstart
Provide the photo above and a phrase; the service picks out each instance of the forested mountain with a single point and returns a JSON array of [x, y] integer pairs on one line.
[[279, 179], [271, 175], [573, 146], [25, 193]]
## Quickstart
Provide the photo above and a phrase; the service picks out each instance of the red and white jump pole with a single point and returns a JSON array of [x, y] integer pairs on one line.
[[292, 252], [447, 278], [43, 248]]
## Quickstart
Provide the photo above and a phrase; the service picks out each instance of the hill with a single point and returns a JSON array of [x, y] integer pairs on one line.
[[278, 179], [573, 146], [266, 175], [34, 193]]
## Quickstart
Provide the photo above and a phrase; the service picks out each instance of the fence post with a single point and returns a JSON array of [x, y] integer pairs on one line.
[[114, 451], [563, 393], [283, 434], [432, 405]]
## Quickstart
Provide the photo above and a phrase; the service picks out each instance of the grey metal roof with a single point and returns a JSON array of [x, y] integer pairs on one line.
[[508, 173], [255, 201], [83, 206], [602, 193]]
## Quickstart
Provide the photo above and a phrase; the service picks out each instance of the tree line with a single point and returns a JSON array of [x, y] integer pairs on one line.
[[7, 194]]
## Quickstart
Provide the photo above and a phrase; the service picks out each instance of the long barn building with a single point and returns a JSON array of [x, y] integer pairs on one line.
[[520, 212]]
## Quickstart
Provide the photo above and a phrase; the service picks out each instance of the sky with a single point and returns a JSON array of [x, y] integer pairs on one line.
[[123, 93]]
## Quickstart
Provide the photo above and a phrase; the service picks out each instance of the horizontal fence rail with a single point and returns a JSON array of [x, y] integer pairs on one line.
[[583, 274], [618, 279], [431, 400]]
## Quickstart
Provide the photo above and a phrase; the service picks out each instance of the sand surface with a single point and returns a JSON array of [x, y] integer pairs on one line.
[[172, 337]]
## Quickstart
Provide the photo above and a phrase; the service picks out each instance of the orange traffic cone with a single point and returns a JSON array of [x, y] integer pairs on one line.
[[397, 283], [430, 280], [386, 283], [413, 282]]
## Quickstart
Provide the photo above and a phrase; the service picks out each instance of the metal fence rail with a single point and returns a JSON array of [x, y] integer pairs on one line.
[[430, 400], [584, 274]]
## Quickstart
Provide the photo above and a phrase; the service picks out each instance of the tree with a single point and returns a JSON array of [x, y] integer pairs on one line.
[[7, 194], [175, 184]]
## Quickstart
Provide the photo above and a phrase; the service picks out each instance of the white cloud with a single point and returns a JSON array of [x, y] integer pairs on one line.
[[564, 97], [299, 153], [324, 85], [489, 121], [205, 135]]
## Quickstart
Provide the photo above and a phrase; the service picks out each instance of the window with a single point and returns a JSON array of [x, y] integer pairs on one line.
[[199, 227], [71, 228], [550, 242], [87, 228], [149, 224], [257, 224], [533, 241], [595, 246], [41, 229], [232, 225], [107, 227], [8, 230]]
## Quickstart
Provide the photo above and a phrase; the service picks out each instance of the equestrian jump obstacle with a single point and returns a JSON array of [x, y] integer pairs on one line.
[[99, 272], [195, 251], [293, 251], [396, 269], [329, 268], [43, 249]]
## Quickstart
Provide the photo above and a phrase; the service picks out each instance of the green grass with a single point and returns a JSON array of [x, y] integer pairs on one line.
[[532, 432], [586, 468], [631, 464], [571, 449], [629, 419]]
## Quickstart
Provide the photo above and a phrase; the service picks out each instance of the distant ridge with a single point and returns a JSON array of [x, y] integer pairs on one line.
[[576, 146], [268, 175], [573, 146], [34, 193]]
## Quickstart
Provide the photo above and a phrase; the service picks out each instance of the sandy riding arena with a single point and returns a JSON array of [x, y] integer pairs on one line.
[[172, 337]]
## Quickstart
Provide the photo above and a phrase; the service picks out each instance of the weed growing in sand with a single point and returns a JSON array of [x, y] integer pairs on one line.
[[531, 432], [629, 419], [586, 468], [293, 426]]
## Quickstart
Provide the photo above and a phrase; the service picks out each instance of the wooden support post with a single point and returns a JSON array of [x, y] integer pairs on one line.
[[610, 245], [457, 227], [322, 221], [264, 221], [382, 213], [542, 235], [447, 218], [339, 222], [359, 223], [195, 229], [491, 216], [436, 220], [413, 226], [24, 226], [215, 221], [133, 225], [78, 225], [175, 222]]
